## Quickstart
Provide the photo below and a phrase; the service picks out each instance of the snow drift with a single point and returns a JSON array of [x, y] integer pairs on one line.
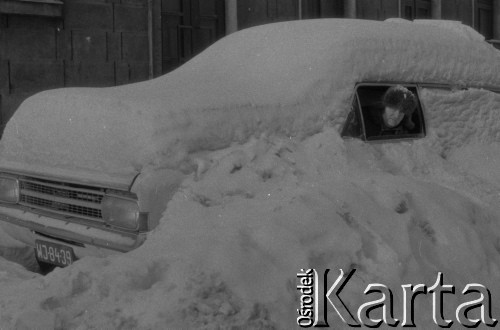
[[276, 188], [232, 240], [291, 78]]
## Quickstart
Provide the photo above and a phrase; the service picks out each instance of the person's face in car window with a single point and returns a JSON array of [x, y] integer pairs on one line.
[[392, 116]]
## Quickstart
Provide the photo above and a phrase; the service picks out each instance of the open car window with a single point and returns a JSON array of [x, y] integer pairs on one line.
[[365, 118], [353, 126]]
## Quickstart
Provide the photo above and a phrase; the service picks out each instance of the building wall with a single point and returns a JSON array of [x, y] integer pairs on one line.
[[483, 18], [257, 12], [188, 27], [377, 10], [94, 43], [475, 13]]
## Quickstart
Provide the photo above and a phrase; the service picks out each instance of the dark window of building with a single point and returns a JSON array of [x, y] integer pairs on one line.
[[408, 12], [484, 16]]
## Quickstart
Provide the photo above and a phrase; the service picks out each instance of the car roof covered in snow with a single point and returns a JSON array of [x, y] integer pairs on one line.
[[288, 78]]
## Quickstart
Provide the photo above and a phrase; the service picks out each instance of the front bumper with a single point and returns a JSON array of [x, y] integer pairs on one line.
[[70, 233]]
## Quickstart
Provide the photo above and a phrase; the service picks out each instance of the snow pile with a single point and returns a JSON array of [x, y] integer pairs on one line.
[[233, 238], [462, 116], [454, 26], [252, 214], [291, 78]]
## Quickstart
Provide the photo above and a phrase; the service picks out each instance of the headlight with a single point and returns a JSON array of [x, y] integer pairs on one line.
[[120, 212], [9, 189]]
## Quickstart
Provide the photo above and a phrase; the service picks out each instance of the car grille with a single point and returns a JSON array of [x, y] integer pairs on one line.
[[67, 200]]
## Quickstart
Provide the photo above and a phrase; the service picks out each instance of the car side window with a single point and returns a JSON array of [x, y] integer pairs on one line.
[[353, 126], [385, 112]]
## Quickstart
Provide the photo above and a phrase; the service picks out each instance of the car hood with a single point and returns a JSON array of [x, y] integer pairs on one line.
[[291, 78], [77, 135], [117, 180]]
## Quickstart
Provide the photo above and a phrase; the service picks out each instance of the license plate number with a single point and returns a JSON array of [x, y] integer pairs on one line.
[[53, 253]]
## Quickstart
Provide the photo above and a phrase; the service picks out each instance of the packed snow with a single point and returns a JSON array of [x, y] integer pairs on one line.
[[269, 187]]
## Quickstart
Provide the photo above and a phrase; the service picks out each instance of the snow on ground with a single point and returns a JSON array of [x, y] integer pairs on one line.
[[232, 240], [257, 210]]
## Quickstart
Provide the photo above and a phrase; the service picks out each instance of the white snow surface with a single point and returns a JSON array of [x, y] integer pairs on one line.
[[263, 204], [291, 78]]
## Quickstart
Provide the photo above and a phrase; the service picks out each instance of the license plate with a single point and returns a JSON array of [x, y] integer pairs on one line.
[[53, 253]]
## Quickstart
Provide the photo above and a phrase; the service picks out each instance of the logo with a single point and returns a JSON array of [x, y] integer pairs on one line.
[[317, 296]]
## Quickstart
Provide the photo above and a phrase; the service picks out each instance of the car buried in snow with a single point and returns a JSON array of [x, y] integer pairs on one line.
[[89, 171]]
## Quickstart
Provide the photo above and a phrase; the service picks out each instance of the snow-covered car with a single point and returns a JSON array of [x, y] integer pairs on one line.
[[89, 171]]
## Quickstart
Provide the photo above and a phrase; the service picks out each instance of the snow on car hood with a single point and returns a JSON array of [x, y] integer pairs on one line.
[[291, 78]]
